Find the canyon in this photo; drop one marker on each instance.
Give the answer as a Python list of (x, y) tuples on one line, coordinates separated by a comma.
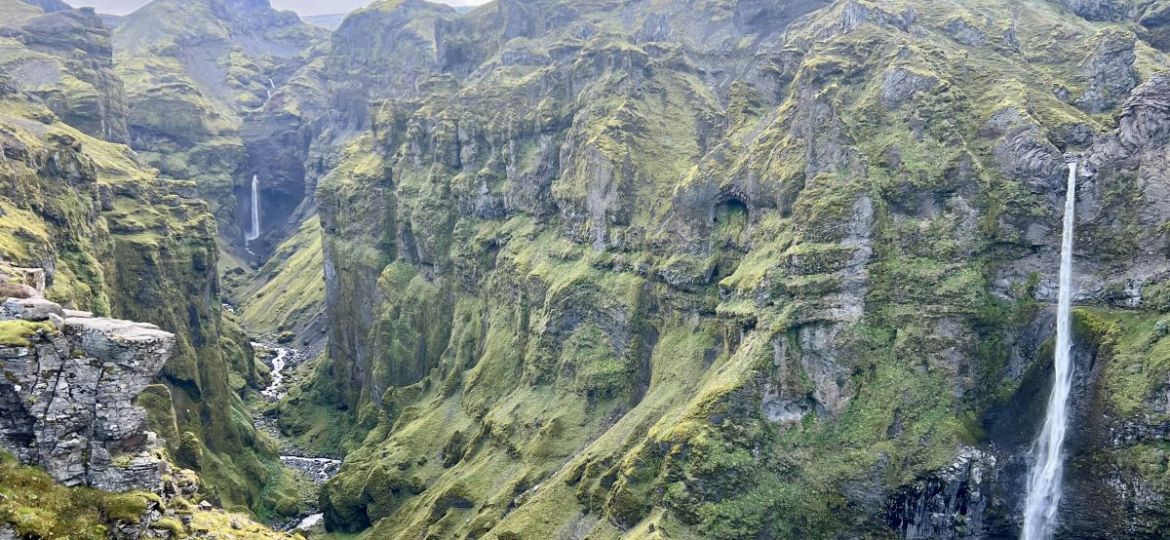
[(550, 269)]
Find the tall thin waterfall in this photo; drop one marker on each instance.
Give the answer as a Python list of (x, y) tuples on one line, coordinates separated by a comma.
[(255, 232), (1044, 481)]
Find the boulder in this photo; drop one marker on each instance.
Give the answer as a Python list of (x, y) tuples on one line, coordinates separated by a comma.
[(17, 290), (66, 400), (30, 309)]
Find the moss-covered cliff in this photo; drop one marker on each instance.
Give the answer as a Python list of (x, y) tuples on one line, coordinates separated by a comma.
[(118, 240), (195, 73), (621, 269), (743, 269)]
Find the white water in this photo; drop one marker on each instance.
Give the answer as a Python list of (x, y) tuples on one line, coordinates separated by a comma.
[(317, 469), (310, 522), (255, 232), (1044, 481), (276, 390)]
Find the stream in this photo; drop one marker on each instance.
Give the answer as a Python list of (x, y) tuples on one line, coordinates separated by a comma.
[(317, 468)]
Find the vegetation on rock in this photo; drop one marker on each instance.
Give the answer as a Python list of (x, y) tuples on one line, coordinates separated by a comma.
[(595, 269)]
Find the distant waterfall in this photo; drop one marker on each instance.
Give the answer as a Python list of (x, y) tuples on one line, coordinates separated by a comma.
[(255, 232), (1044, 481)]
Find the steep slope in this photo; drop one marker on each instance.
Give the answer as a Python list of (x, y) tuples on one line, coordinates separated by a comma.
[(70, 394), (287, 295), (118, 240), (58, 367), (193, 72), (64, 57), (35, 506), (743, 269)]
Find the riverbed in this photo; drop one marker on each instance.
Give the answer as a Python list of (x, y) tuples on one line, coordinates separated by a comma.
[(319, 469)]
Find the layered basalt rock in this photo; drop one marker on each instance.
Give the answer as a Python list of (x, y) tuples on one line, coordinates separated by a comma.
[(777, 273), (67, 391), (69, 64), (195, 72)]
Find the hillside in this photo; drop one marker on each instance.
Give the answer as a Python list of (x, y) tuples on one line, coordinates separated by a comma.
[(743, 269), (117, 239), (194, 71), (596, 269)]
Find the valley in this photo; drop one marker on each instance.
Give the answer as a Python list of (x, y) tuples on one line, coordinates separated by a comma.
[(589, 269)]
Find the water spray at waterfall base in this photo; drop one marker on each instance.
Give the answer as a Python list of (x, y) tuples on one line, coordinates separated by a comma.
[(1044, 480), (254, 233)]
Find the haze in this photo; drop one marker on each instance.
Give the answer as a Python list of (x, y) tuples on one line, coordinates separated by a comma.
[(303, 7)]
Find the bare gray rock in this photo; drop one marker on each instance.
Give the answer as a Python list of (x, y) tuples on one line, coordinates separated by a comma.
[(1102, 10), (966, 33), (942, 505), (1109, 72), (900, 84), (1155, 26), (30, 309), (66, 400)]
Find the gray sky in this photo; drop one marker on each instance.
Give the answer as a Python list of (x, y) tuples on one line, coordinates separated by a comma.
[(304, 7)]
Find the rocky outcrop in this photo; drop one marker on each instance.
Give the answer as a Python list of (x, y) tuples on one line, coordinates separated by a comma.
[(950, 504), (1155, 26), (1108, 72), (70, 67), (900, 84), (771, 273), (1104, 10), (67, 392), (70, 385)]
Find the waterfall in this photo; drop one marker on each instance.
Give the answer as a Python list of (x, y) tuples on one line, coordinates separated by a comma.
[(255, 232), (1044, 480)]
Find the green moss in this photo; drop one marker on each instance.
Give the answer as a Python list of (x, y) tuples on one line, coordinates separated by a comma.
[(34, 506), (19, 229), (172, 526), (1156, 296), (19, 333), (313, 415), (1139, 354), (160, 413), (291, 291)]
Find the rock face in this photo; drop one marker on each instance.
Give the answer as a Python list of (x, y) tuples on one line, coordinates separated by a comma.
[(69, 65), (948, 504), (1109, 73), (742, 269), (1105, 10), (66, 395), (194, 71), (115, 239)]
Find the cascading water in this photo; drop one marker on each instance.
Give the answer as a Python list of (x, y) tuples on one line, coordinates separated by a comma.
[(1045, 478), (255, 232)]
